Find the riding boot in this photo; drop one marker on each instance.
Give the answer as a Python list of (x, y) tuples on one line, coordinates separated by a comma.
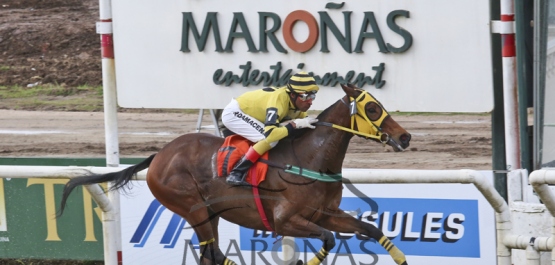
[(239, 172)]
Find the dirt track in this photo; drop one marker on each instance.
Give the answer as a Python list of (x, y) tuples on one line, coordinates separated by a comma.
[(55, 42), (438, 141)]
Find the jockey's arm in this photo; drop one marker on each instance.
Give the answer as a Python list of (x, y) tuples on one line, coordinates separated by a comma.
[(301, 115), (273, 131)]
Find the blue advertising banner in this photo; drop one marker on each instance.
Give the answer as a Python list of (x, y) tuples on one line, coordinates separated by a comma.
[(422, 227), (431, 223)]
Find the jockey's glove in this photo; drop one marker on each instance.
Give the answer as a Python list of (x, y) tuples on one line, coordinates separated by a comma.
[(305, 123)]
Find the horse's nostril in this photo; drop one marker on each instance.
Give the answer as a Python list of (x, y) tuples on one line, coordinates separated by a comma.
[(405, 138)]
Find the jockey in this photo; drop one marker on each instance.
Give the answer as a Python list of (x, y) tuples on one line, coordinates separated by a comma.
[(256, 115)]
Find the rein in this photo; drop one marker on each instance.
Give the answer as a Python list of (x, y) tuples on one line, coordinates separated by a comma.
[(353, 107), (366, 135), (356, 106)]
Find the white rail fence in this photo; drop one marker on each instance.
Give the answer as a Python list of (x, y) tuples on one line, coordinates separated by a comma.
[(506, 240)]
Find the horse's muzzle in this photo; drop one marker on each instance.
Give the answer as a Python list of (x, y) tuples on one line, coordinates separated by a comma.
[(404, 140)]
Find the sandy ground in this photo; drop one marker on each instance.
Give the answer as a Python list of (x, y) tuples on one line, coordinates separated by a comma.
[(438, 141), (55, 42)]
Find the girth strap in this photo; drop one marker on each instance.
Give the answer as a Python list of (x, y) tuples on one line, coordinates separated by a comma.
[(259, 207), (289, 169)]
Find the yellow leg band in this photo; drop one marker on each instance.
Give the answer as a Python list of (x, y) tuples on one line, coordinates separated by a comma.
[(394, 252), (320, 256), (229, 262), (206, 242)]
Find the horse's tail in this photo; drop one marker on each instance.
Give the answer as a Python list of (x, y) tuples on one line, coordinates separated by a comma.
[(120, 180)]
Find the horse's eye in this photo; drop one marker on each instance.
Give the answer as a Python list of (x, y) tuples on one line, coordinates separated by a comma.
[(372, 110)]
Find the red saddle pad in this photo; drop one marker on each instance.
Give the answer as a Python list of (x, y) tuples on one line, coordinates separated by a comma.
[(233, 148)]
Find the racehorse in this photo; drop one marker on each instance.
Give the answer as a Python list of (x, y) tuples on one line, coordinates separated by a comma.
[(182, 177)]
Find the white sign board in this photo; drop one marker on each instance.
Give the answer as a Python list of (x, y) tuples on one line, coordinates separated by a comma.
[(453, 225), (417, 56)]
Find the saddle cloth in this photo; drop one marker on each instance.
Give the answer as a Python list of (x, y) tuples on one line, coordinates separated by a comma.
[(233, 148)]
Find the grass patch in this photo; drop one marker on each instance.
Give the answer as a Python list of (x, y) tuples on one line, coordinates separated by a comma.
[(62, 98), (49, 262), (7, 92), (51, 97)]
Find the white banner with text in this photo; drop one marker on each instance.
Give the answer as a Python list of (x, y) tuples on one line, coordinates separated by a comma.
[(414, 56)]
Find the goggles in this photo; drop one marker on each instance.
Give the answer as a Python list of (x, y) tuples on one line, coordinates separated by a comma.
[(307, 96)]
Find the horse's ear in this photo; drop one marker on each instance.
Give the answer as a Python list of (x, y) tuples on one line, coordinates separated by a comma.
[(349, 90)]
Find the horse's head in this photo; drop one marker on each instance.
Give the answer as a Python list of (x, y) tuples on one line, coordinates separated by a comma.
[(371, 120)]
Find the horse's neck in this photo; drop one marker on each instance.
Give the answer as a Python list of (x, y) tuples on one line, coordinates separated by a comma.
[(324, 148)]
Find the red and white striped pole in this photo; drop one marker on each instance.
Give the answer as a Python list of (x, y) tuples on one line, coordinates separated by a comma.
[(111, 218), (510, 93), (106, 39), (506, 27)]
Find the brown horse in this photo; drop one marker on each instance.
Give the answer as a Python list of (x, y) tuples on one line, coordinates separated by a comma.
[(182, 176)]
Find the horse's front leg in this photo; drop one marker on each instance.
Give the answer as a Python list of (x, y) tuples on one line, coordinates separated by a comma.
[(339, 221), (298, 226)]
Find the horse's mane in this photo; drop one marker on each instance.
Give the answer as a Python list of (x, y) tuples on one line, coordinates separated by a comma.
[(321, 117)]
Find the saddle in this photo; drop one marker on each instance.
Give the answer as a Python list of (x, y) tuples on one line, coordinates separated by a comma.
[(233, 148)]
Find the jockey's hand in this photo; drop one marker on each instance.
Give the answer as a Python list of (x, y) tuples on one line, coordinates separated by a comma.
[(281, 124), (305, 123)]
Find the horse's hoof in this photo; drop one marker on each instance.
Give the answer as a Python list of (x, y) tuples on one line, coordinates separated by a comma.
[(299, 262)]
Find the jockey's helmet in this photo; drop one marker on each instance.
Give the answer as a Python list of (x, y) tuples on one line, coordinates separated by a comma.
[(301, 83)]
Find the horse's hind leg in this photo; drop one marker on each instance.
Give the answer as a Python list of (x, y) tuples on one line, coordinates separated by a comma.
[(297, 226), (203, 221), (205, 224), (344, 223), (215, 259)]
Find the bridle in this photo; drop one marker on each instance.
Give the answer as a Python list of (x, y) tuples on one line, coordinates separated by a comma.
[(361, 125)]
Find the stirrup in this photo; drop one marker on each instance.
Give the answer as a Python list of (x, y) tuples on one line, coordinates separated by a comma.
[(235, 181)]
